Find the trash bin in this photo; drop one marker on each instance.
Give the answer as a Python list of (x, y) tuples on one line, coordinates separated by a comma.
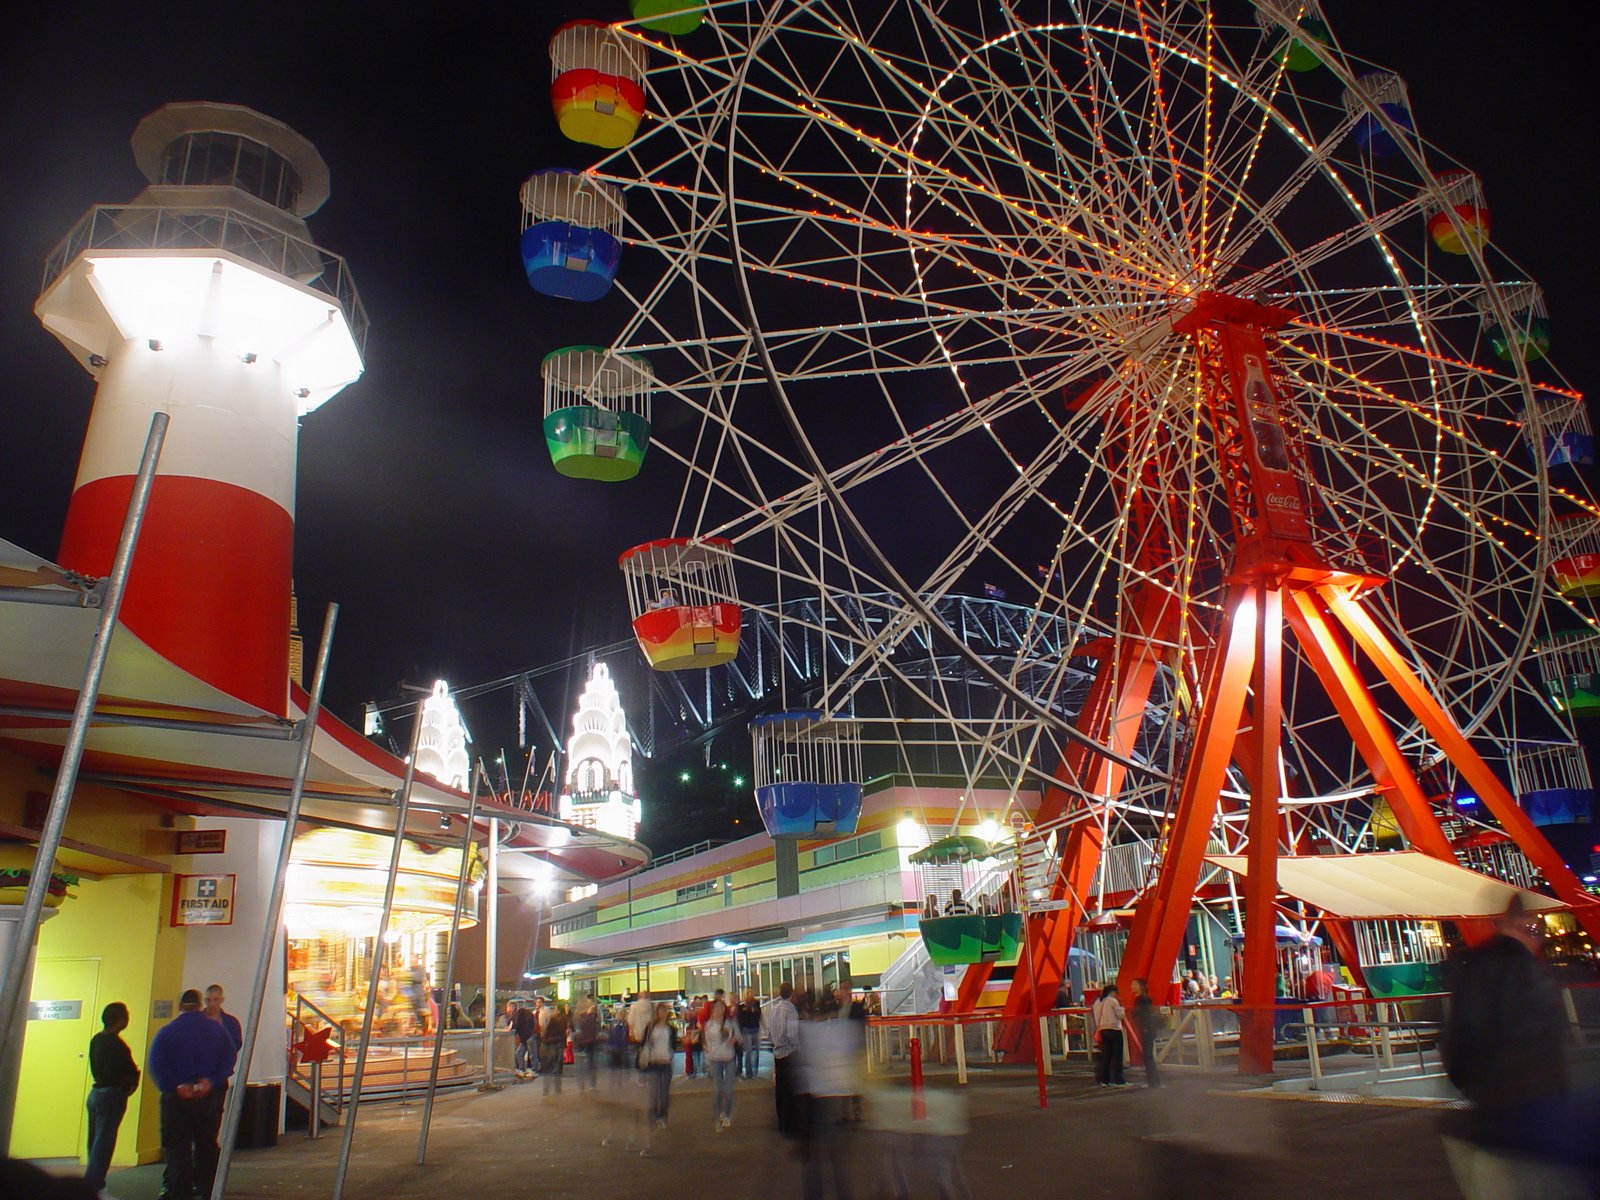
[(258, 1122)]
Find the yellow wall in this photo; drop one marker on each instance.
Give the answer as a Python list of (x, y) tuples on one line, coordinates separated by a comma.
[(121, 923)]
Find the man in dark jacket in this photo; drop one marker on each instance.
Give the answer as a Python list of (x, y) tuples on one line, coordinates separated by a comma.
[(1505, 1048), (190, 1061), (115, 1079)]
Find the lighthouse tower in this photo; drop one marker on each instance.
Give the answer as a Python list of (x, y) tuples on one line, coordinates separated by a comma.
[(599, 792), (205, 298)]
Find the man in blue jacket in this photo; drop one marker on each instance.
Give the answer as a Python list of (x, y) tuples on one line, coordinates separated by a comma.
[(190, 1060)]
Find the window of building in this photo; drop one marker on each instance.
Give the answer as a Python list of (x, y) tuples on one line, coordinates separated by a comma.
[(867, 843)]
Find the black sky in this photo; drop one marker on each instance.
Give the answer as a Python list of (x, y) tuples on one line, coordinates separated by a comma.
[(427, 505)]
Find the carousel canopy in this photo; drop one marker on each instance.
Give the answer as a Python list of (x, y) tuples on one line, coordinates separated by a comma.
[(957, 848), (1403, 884)]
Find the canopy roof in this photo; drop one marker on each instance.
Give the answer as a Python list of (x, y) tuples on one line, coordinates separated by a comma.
[(957, 848), (191, 766), (1406, 883)]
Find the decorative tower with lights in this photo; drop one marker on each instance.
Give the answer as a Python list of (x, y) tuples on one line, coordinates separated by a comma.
[(442, 748), (598, 786), (205, 298)]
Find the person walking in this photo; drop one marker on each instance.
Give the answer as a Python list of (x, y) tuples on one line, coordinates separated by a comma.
[(115, 1079), (1107, 1014), (190, 1061), (1146, 1025), (749, 1017), (655, 1059), (1505, 1047), (783, 1031), (553, 1047), (586, 1041), (721, 1040)]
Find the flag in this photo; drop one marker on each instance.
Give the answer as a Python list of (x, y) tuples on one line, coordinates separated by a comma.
[(1043, 572), (994, 592)]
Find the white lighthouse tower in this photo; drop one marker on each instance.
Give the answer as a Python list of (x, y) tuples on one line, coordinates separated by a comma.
[(205, 298)]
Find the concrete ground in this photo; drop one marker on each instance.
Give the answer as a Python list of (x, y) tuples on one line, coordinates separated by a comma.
[(1200, 1136)]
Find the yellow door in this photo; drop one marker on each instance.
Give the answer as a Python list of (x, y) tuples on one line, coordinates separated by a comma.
[(63, 1015)]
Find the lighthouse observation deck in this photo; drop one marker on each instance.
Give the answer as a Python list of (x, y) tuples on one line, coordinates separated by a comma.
[(141, 227)]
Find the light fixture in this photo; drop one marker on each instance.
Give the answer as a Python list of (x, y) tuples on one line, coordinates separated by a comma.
[(154, 343), (302, 393), (98, 360), (248, 358), (444, 820)]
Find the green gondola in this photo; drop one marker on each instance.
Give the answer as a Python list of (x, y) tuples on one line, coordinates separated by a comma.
[(967, 937)]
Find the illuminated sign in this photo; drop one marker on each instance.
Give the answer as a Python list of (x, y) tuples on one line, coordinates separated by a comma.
[(202, 841), (202, 899)]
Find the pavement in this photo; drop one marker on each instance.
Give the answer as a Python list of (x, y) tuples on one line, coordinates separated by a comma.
[(1199, 1136)]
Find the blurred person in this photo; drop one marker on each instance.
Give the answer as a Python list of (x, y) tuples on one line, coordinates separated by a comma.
[(749, 1017), (190, 1060), (1146, 1026), (586, 1041), (1107, 1014), (115, 1078), (553, 1047), (640, 1013), (655, 1059), (830, 1055), (520, 1021), (721, 1039), (783, 1031), (1504, 1046)]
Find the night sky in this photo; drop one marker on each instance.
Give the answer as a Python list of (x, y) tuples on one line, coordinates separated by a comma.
[(427, 505)]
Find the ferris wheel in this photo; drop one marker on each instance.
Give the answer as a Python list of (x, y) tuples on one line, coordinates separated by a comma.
[(1104, 308)]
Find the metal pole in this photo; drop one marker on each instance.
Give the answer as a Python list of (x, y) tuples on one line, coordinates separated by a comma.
[(449, 968), (12, 1001), (314, 1121), (402, 807), (234, 1109), (961, 1053), (1309, 1016), (491, 949)]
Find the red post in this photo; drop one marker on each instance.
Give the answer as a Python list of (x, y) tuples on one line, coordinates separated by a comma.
[(919, 1106)]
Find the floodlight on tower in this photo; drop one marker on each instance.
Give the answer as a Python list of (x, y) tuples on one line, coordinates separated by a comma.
[(205, 298)]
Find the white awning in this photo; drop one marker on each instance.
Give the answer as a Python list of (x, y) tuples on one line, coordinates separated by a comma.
[(1406, 883)]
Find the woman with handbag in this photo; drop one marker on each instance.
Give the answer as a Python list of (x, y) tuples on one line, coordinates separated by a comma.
[(655, 1060), (1108, 1014)]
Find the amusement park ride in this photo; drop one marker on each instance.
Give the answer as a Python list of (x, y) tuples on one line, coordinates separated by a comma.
[(1190, 302)]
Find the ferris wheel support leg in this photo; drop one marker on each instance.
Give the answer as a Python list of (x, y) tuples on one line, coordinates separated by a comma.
[(1163, 914), (1259, 983), (1491, 792), (1373, 739), (1113, 713)]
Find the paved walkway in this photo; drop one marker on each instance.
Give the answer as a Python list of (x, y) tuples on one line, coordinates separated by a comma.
[(1197, 1137)]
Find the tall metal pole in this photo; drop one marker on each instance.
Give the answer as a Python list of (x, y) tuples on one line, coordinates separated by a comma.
[(274, 918), (402, 807), (491, 949), (449, 967), (12, 1001)]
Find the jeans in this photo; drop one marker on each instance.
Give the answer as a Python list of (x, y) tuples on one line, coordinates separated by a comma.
[(552, 1058), (791, 1122), (189, 1140), (585, 1061), (752, 1052), (523, 1057), (722, 1074), (106, 1106), (659, 1076)]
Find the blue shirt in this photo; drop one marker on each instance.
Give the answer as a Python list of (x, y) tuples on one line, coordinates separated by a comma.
[(191, 1046)]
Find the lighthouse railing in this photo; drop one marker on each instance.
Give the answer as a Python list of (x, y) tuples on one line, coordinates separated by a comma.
[(193, 227)]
